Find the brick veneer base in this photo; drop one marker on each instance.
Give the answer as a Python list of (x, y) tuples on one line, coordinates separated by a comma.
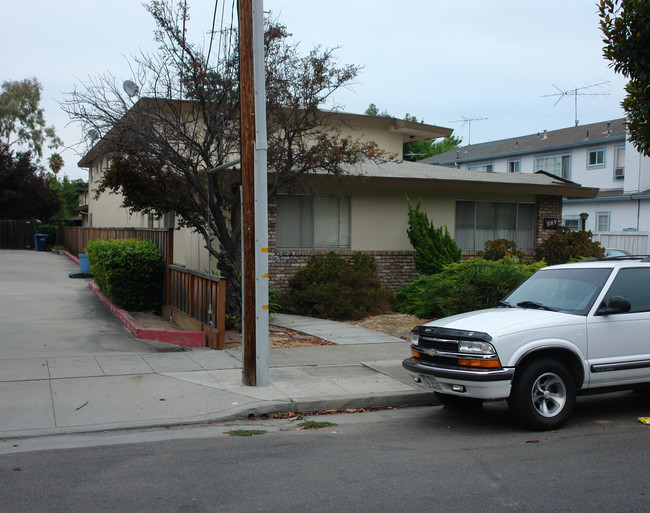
[(395, 268)]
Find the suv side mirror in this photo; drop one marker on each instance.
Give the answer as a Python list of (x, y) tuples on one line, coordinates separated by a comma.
[(616, 305)]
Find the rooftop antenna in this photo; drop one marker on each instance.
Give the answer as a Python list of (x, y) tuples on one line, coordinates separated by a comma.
[(579, 91), (130, 88), (468, 122)]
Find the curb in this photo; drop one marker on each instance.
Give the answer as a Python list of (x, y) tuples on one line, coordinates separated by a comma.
[(270, 408), (176, 337)]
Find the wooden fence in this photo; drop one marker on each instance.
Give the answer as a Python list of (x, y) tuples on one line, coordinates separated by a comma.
[(196, 301), (16, 234)]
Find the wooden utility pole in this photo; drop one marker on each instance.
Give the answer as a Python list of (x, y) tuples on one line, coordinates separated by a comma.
[(254, 195)]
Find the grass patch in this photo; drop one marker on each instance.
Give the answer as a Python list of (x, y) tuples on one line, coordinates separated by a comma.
[(312, 424), (246, 432)]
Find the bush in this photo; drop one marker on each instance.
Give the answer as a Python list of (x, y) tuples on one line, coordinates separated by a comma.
[(51, 231), (470, 285), (129, 272), (566, 245), (434, 247), (331, 287), (501, 248)]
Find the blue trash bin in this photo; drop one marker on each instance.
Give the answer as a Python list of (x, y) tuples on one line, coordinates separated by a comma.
[(84, 264), (40, 241)]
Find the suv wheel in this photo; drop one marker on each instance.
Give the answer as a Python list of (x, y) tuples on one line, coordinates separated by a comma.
[(456, 401), (543, 394)]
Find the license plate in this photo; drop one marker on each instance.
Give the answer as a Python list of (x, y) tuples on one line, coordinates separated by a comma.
[(431, 383)]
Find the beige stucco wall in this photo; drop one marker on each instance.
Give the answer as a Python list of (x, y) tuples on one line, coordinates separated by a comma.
[(386, 140)]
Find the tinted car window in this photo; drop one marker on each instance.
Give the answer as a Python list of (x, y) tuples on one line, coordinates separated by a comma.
[(634, 284)]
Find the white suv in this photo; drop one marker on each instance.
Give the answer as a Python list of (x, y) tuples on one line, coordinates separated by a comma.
[(568, 329)]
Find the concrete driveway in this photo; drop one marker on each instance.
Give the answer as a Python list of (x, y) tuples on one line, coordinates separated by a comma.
[(44, 313)]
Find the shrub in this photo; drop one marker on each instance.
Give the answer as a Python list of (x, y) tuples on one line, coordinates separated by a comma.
[(51, 231), (331, 287), (434, 247), (129, 272), (470, 285), (565, 245), (501, 248)]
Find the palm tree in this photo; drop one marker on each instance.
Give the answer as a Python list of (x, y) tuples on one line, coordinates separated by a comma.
[(56, 163)]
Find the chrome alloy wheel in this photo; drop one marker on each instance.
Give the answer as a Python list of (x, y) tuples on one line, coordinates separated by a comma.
[(548, 394)]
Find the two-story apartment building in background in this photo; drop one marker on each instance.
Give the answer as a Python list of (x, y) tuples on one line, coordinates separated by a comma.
[(595, 155), (367, 210)]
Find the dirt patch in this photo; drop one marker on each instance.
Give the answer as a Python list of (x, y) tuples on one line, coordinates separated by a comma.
[(395, 324), (280, 338), (149, 320)]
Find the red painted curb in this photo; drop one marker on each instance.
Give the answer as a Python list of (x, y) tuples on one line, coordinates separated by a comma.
[(70, 256), (176, 337)]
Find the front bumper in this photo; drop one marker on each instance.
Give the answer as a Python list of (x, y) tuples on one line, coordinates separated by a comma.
[(483, 384)]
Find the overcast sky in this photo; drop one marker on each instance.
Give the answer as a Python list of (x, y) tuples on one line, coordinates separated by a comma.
[(442, 61)]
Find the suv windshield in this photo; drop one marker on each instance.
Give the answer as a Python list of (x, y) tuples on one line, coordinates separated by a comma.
[(566, 290)]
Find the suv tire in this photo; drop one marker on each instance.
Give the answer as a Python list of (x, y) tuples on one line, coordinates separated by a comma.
[(543, 394)]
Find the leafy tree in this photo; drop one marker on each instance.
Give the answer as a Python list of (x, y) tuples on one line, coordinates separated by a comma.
[(188, 121), (626, 33), (418, 150), (22, 121), (434, 247), (68, 193), (373, 110), (24, 194)]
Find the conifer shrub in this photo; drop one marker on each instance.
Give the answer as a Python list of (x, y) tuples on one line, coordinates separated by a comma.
[(462, 287), (332, 287), (129, 272), (566, 245), (434, 247)]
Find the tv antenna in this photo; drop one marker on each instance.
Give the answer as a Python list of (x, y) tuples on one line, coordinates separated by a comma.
[(468, 122), (587, 90)]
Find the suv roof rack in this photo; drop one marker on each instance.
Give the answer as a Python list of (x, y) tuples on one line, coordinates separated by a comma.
[(642, 258)]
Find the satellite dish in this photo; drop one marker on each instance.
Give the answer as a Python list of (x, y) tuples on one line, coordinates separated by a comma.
[(93, 135), (130, 88)]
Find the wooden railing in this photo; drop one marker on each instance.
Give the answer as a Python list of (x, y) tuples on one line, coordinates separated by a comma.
[(195, 300), (200, 297)]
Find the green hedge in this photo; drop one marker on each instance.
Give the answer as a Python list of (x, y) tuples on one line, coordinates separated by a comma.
[(331, 287), (129, 272), (469, 285)]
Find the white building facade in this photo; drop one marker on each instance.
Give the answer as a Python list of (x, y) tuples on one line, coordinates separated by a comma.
[(596, 155)]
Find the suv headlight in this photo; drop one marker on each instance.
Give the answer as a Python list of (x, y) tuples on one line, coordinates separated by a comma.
[(415, 338), (474, 347)]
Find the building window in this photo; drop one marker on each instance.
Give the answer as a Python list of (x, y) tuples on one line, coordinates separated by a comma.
[(313, 222), (482, 168), (619, 166), (514, 166), (596, 158), (480, 221), (558, 165), (572, 224), (602, 221)]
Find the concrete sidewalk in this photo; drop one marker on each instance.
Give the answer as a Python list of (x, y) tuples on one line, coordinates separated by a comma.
[(68, 366)]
